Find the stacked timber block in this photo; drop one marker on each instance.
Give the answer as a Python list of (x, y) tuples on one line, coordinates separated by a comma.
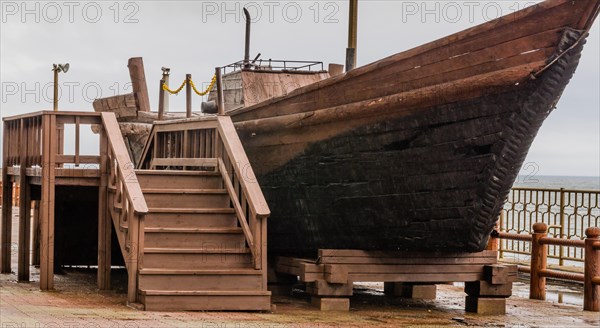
[(329, 278), (410, 290), (489, 296)]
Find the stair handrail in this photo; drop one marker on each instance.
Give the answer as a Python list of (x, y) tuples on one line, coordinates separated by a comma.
[(242, 167), (126, 168), (129, 200)]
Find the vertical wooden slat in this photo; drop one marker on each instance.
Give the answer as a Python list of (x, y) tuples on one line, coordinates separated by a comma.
[(6, 202), (104, 221), (132, 268), (24, 209), (77, 140), (35, 252)]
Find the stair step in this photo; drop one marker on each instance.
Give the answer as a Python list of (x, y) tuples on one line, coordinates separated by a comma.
[(199, 260), (205, 292), (204, 219), (223, 210), (214, 199), (194, 230), (199, 272), (178, 179), (224, 238), (193, 280), (184, 191), (196, 250), (176, 173), (176, 300)]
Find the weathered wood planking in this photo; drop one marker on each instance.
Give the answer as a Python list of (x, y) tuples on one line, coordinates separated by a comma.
[(421, 169), (340, 266)]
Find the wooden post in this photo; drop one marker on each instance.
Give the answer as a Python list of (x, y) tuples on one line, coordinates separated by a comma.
[(35, 252), (537, 283), (591, 295), (104, 221), (161, 101), (220, 93), (6, 205), (24, 209), (188, 95), (47, 209), (138, 83)]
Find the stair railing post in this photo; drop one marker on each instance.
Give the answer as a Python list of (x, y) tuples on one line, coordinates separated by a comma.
[(591, 296), (539, 251)]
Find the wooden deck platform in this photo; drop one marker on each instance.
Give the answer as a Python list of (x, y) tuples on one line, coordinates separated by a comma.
[(193, 237)]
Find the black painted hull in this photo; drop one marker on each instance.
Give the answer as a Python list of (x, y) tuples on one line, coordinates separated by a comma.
[(432, 180)]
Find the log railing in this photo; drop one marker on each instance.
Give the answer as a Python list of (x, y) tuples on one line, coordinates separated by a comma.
[(212, 144), (125, 200), (538, 270)]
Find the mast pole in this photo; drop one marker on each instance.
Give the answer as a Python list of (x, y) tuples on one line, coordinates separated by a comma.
[(352, 36)]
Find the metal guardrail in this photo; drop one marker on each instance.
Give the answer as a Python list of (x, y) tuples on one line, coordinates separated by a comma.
[(275, 65), (568, 213)]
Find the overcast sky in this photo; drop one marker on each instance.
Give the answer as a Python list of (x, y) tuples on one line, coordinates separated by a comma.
[(98, 37)]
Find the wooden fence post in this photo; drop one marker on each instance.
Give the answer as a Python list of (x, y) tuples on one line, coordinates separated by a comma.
[(537, 283), (591, 296)]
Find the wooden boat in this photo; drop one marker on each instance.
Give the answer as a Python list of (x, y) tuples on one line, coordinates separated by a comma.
[(419, 150)]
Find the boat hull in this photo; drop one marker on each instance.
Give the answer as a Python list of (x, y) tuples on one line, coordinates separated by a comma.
[(432, 179)]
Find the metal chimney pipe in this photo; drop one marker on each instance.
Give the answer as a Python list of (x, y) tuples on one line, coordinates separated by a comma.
[(247, 48)]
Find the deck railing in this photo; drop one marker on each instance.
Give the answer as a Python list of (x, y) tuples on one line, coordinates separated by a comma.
[(33, 148), (212, 144), (568, 213)]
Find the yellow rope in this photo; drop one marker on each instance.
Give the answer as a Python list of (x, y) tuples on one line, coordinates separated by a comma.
[(210, 86), (173, 92), (203, 93)]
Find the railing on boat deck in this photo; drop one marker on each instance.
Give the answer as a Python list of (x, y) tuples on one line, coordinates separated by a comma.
[(212, 144), (568, 213), (125, 200)]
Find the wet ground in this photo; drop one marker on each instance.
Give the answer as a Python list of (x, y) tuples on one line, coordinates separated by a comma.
[(77, 303)]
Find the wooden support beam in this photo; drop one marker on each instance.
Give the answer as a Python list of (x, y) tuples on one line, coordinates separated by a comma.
[(49, 151), (24, 209), (104, 221), (138, 83), (6, 226)]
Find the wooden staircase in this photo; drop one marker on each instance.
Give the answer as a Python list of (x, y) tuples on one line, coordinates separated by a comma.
[(192, 232)]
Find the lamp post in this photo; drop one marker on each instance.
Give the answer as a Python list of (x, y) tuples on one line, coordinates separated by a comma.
[(56, 68)]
